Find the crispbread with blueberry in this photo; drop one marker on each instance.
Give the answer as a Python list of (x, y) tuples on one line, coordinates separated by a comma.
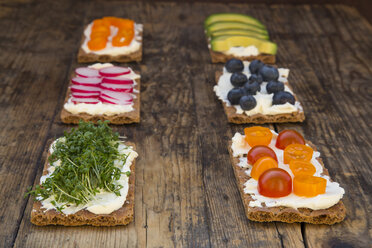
[(253, 92)]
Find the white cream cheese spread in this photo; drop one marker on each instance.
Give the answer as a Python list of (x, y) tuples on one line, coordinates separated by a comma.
[(103, 108), (331, 197), (264, 101), (103, 202), (110, 49), (243, 51)]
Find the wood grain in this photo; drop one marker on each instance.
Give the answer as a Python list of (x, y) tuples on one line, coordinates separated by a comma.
[(186, 194)]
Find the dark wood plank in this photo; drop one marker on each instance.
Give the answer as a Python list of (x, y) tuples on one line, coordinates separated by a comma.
[(32, 79), (333, 81), (186, 194)]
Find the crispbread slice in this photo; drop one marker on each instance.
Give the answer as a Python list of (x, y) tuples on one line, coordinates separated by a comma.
[(218, 57), (328, 216), (236, 118), (123, 118), (84, 57), (122, 216)]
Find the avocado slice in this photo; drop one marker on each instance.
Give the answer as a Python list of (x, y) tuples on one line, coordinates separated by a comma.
[(223, 43), (223, 32), (234, 25), (219, 17)]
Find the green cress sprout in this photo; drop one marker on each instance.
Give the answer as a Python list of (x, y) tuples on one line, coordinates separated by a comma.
[(87, 166)]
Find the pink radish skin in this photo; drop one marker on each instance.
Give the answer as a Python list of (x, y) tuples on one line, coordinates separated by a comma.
[(119, 96), (117, 80), (94, 81), (114, 71), (87, 72), (76, 100), (85, 89), (117, 87), (122, 101), (85, 95)]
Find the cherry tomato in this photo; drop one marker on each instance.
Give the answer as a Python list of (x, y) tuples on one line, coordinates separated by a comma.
[(258, 152), (275, 182), (97, 43), (114, 21), (262, 165), (297, 152), (299, 167), (258, 135), (309, 186), (287, 137), (126, 24)]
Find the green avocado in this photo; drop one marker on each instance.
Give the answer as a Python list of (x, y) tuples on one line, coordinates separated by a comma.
[(223, 32), (223, 43), (234, 25), (223, 17)]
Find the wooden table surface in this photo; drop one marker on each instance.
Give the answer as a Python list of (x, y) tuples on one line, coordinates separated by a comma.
[(186, 194)]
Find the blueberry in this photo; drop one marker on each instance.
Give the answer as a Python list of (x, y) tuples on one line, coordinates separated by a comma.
[(255, 66), (247, 102), (269, 73), (283, 97), (274, 86), (238, 79), (234, 65), (234, 95), (255, 78), (251, 89)]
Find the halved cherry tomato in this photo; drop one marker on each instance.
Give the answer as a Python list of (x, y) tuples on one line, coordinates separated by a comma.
[(262, 165), (287, 137), (258, 152), (103, 29), (101, 22), (258, 135), (297, 152), (96, 44), (309, 186), (99, 34), (115, 21), (126, 24), (275, 182), (299, 167)]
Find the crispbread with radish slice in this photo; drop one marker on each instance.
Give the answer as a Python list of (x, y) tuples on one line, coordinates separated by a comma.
[(117, 119)]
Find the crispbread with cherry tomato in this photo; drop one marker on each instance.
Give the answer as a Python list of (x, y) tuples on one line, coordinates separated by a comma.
[(269, 175), (101, 35)]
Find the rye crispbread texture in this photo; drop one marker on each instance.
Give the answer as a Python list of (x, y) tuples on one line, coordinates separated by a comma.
[(236, 118), (123, 118), (122, 216), (84, 57), (218, 57), (328, 216)]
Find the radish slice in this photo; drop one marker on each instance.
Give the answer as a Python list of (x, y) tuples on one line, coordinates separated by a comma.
[(122, 96), (87, 72), (111, 101), (114, 71), (117, 80), (85, 100), (119, 98), (93, 81), (117, 87), (85, 95), (85, 89)]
